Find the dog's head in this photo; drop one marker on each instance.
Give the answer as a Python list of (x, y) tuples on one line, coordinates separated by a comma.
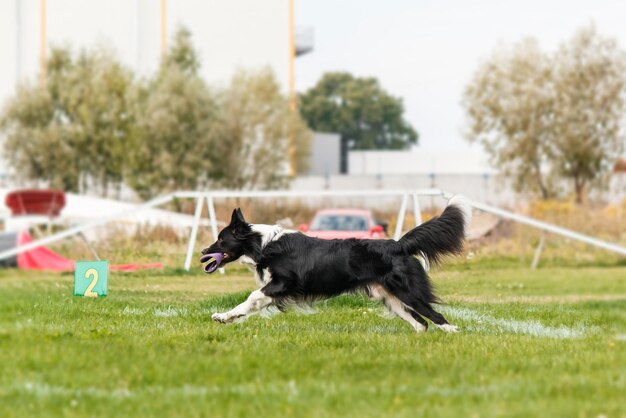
[(234, 240)]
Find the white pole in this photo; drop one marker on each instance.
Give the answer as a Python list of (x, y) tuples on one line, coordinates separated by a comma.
[(547, 227), (401, 214), (416, 210), (194, 231), (306, 193), (538, 251)]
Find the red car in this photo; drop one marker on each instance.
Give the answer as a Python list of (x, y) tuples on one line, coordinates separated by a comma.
[(344, 223)]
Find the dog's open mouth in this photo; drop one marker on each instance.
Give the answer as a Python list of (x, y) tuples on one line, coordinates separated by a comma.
[(214, 261)]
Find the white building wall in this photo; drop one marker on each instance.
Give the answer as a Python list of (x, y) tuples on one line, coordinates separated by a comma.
[(490, 189), (237, 34), (417, 161), (325, 154), (229, 34), (466, 173), (8, 48)]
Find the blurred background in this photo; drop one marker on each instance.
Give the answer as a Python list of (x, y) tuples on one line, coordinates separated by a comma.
[(130, 129), (517, 105)]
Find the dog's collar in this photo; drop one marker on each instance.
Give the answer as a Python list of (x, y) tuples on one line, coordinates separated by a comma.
[(268, 233)]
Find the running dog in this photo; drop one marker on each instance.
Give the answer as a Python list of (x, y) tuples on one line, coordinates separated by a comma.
[(291, 267)]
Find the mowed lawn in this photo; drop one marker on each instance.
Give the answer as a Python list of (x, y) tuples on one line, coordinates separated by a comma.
[(549, 342)]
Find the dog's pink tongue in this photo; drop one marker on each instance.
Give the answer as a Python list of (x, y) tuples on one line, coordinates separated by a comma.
[(214, 260)]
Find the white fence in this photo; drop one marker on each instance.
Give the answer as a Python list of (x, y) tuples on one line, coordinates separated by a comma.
[(405, 197)]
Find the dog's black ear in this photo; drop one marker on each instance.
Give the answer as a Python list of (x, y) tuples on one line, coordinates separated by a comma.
[(237, 217), (238, 224), (240, 216)]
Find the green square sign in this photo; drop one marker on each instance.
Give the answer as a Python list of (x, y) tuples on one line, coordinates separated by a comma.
[(91, 278)]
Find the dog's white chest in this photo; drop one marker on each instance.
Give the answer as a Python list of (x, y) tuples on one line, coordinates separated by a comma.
[(247, 261), (263, 278)]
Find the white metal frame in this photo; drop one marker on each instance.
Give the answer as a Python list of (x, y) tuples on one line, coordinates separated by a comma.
[(212, 195), (544, 226)]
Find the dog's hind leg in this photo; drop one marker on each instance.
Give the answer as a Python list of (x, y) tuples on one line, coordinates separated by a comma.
[(419, 307), (255, 302), (412, 286), (438, 319), (396, 306)]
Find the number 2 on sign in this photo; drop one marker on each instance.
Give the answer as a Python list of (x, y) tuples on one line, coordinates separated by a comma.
[(89, 292)]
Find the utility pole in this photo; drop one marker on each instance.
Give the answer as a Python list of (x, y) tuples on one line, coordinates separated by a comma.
[(292, 86), (18, 41), (42, 41), (163, 28)]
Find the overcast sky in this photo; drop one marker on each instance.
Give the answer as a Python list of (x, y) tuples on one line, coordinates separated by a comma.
[(426, 51)]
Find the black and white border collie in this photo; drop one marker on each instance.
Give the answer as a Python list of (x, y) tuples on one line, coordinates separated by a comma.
[(291, 267)]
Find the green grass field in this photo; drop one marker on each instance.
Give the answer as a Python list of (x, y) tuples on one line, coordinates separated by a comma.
[(550, 342)]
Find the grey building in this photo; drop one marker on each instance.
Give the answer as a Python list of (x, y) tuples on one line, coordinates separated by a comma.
[(325, 155)]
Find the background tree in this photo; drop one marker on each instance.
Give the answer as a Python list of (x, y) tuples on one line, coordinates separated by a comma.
[(99, 104), (545, 118), (366, 116), (93, 126), (71, 131), (509, 103), (36, 145), (253, 150), (177, 124), (590, 78)]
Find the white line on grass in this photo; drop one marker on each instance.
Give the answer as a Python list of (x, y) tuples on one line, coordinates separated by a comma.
[(170, 312), (45, 390), (128, 311), (534, 328), (285, 389)]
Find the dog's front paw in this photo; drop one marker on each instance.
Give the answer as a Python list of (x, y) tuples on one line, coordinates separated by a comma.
[(220, 317), (448, 328)]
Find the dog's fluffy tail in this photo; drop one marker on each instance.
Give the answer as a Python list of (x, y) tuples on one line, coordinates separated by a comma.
[(441, 235)]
